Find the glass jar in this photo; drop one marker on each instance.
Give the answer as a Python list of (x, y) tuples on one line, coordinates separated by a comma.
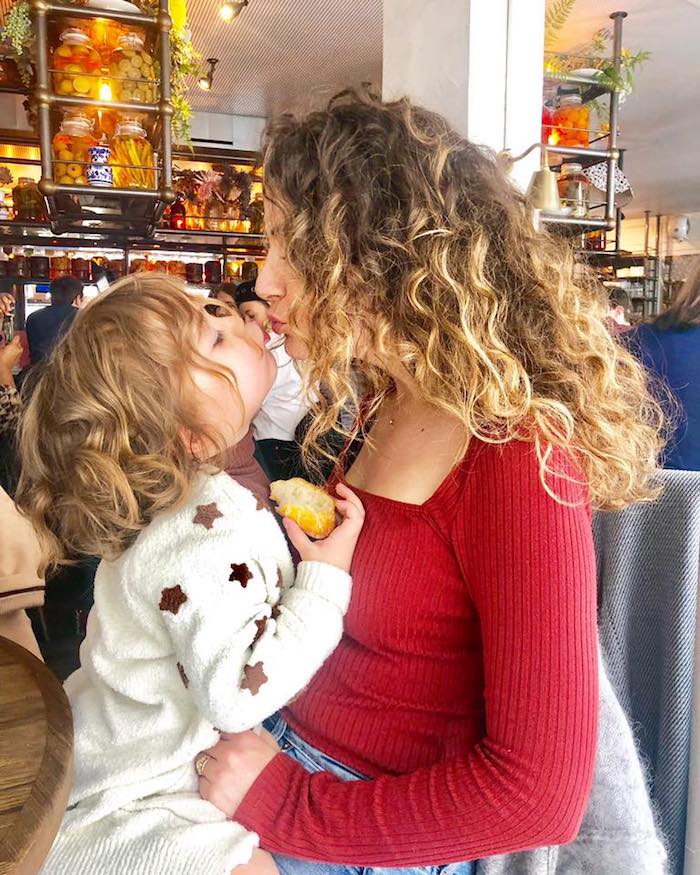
[(132, 156), (177, 269), (28, 203), (573, 190), (60, 266), (80, 269), (177, 219), (19, 266), (132, 71), (571, 119), (256, 213), (215, 216), (595, 241), (39, 267), (249, 271), (69, 149), (212, 272), (76, 65), (194, 273)]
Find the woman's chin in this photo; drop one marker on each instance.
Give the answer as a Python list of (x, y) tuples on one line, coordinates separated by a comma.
[(295, 348)]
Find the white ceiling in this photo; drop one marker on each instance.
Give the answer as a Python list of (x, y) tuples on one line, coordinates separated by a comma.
[(281, 55)]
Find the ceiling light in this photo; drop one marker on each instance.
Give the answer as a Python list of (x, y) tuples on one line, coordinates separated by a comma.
[(231, 9), (206, 80)]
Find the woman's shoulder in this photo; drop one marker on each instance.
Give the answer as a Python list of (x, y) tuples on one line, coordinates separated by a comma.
[(513, 474)]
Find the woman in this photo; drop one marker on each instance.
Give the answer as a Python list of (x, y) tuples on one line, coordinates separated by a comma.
[(497, 411), (669, 346)]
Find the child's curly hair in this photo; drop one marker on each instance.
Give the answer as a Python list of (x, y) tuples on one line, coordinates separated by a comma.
[(106, 440), (401, 229)]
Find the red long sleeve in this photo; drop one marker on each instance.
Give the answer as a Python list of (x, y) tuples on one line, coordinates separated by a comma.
[(473, 680)]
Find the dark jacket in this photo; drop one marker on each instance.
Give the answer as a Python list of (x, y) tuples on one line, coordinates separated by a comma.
[(45, 327)]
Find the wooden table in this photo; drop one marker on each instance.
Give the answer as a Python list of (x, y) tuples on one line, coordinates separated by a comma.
[(36, 759)]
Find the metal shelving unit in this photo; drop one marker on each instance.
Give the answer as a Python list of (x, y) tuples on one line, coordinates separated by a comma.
[(592, 155), (80, 207)]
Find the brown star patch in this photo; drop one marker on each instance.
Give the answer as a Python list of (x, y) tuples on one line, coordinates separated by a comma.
[(254, 678), (206, 515), (240, 574), (261, 628), (280, 579), (172, 598), (183, 675), (275, 612)]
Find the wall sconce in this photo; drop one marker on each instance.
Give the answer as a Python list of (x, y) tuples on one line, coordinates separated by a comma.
[(231, 9), (206, 80)]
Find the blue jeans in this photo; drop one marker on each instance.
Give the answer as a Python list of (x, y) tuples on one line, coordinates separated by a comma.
[(315, 761)]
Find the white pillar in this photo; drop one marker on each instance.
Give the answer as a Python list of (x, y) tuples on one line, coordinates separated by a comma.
[(477, 62)]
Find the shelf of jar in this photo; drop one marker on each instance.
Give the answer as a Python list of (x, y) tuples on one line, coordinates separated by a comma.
[(568, 225)]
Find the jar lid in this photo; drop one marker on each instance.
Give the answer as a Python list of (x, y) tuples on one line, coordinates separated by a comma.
[(129, 128), (76, 125), (75, 37), (131, 40), (571, 94), (571, 168)]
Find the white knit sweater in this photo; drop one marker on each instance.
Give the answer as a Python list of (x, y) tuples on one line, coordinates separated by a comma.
[(199, 626)]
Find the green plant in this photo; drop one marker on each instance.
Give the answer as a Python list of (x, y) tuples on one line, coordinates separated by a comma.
[(17, 33), (556, 15), (185, 62)]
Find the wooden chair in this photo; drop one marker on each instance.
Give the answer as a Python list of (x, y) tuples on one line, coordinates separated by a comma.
[(36, 759)]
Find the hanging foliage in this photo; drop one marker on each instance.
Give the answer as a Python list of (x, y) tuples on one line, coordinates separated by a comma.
[(556, 15)]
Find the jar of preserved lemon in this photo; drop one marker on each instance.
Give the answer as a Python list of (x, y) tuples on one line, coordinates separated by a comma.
[(69, 149), (571, 119), (76, 65), (133, 71)]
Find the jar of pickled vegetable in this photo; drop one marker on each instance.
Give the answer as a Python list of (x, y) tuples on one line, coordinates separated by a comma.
[(27, 202), (76, 65), (132, 156), (70, 149), (80, 269), (133, 71), (571, 119)]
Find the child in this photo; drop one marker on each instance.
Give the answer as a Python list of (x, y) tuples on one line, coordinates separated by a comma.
[(200, 624)]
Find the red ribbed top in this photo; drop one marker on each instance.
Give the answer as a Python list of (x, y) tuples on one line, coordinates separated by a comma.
[(465, 683)]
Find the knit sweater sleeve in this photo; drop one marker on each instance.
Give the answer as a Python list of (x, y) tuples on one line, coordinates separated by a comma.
[(247, 634), (528, 564)]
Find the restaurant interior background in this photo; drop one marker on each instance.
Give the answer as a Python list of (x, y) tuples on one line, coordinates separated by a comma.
[(94, 179)]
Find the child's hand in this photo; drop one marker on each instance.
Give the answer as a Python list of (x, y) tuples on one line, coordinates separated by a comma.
[(337, 549)]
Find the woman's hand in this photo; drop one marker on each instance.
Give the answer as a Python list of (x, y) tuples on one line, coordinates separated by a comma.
[(234, 765), (338, 548)]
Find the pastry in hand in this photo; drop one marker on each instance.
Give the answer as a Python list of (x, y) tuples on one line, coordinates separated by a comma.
[(311, 507)]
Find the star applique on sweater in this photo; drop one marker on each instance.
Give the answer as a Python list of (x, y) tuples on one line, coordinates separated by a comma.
[(240, 573), (172, 598), (254, 678), (207, 514)]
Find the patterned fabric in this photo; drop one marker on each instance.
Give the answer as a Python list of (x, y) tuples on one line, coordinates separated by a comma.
[(9, 409), (649, 567)]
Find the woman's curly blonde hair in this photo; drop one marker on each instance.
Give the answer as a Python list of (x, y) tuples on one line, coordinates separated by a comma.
[(409, 236), (107, 439)]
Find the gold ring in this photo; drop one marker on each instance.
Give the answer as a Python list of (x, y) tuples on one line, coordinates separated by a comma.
[(200, 764)]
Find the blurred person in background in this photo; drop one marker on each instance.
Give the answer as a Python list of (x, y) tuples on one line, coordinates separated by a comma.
[(45, 327), (620, 311), (285, 406), (669, 347)]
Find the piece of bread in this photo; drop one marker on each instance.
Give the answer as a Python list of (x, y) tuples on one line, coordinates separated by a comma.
[(311, 507)]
